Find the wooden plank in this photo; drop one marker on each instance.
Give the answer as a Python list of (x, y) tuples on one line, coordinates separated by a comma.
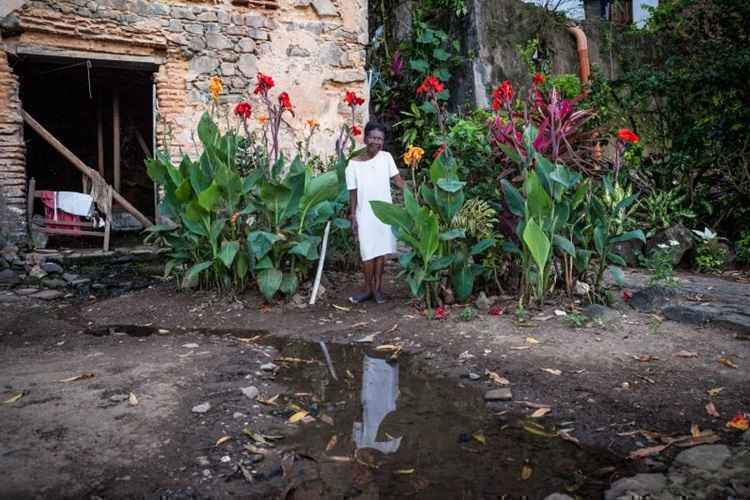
[(72, 232), (146, 62), (68, 154), (108, 225), (116, 140), (53, 222), (99, 138)]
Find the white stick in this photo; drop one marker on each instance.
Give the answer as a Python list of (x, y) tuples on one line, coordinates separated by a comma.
[(319, 274)]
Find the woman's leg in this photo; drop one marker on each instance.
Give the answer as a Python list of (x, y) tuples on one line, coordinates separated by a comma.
[(378, 272), (368, 270)]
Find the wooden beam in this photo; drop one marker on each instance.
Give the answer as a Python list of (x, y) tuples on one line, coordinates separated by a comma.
[(68, 154), (71, 232), (116, 141), (99, 138)]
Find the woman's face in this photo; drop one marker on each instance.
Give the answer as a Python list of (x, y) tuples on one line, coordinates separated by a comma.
[(374, 142)]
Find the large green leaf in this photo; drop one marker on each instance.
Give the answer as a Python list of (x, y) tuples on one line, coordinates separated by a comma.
[(450, 185), (208, 132), (195, 271), (269, 282), (305, 249), (630, 235), (565, 245), (462, 280), (481, 246), (537, 243), (289, 284), (510, 153), (391, 214), (600, 239), (538, 201), (513, 198), (261, 243), (441, 263), (453, 234), (228, 252), (209, 197)]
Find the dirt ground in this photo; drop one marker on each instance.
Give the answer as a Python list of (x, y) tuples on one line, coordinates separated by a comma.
[(84, 439)]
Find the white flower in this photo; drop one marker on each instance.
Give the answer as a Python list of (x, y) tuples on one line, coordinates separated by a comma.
[(674, 243), (663, 246)]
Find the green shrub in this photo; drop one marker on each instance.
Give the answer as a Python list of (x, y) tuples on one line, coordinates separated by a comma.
[(742, 248)]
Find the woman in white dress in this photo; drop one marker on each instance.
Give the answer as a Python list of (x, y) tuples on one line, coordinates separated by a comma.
[(368, 178)]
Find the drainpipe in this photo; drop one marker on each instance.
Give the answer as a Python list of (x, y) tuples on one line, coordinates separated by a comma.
[(583, 53)]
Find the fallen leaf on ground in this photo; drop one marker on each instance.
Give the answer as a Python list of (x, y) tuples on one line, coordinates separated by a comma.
[(332, 442), (222, 440), (647, 452), (360, 324), (327, 419), (270, 401), (739, 422), (367, 338), (705, 437), (479, 438), (541, 412), (340, 458), (387, 347), (529, 404), (520, 347), (715, 391), (82, 376), (526, 472), (531, 340), (711, 409), (249, 340), (405, 472), (686, 354), (255, 449), (645, 358), (342, 308), (296, 360), (727, 362), (537, 430), (13, 399), (553, 371), (497, 378), (393, 328), (132, 399), (542, 318), (560, 313), (565, 436), (297, 417), (695, 431)]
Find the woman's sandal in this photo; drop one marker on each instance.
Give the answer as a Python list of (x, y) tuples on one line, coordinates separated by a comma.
[(359, 298), (379, 298)]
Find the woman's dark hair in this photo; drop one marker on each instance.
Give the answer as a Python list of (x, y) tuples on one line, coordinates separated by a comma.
[(374, 125)]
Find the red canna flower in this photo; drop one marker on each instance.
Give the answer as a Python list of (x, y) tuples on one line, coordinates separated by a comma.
[(284, 101), (264, 84), (538, 79), (739, 422), (502, 95), (626, 295), (352, 99), (440, 150), (243, 110), (440, 313), (628, 135), (495, 311), (431, 85), (356, 131)]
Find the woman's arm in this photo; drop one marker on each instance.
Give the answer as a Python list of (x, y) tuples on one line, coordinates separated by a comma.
[(398, 181), (353, 210)]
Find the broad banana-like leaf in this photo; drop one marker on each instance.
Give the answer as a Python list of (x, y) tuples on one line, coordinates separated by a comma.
[(261, 242), (441, 263), (269, 282), (289, 284), (228, 252), (195, 271), (481, 246), (453, 234), (450, 185), (630, 235), (513, 198), (537, 243), (600, 238), (208, 132), (208, 198), (462, 280), (538, 201), (565, 245)]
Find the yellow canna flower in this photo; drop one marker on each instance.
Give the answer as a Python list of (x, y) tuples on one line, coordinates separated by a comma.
[(263, 120), (215, 87), (312, 123), (413, 156)]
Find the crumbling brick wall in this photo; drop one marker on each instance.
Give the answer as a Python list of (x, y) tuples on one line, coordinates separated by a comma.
[(12, 165)]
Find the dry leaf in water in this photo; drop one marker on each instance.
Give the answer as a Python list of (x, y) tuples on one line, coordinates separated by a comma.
[(552, 371), (405, 472), (645, 358), (297, 416), (222, 440), (711, 409), (13, 399), (686, 354), (541, 412), (567, 437), (526, 471), (335, 458), (715, 391), (82, 376), (647, 452), (496, 378), (695, 431), (132, 399), (727, 362), (332, 442), (531, 340), (270, 401), (479, 438)]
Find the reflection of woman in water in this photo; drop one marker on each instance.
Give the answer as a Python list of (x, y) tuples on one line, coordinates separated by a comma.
[(379, 395)]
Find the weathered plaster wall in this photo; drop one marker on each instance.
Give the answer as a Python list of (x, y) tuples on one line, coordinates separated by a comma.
[(314, 49), (496, 28)]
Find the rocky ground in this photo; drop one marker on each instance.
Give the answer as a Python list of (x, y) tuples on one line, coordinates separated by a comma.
[(592, 402)]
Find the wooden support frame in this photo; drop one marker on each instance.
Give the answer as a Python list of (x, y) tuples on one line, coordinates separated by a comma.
[(80, 165), (116, 141)]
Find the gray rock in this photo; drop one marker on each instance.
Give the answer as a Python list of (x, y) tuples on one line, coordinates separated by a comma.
[(325, 8), (47, 295), (174, 26), (70, 277), (8, 277), (349, 76), (195, 29), (709, 457), (679, 233), (330, 54), (223, 17), (208, 16), (183, 13), (37, 272), (598, 311), (256, 34), (80, 282), (54, 283), (474, 376), (482, 302), (246, 45), (629, 251), (248, 65), (227, 69), (237, 415), (25, 291), (297, 51), (558, 496), (640, 484), (196, 43), (201, 408), (255, 21), (217, 41), (119, 397), (251, 392), (733, 317), (9, 298), (268, 367), (502, 394), (652, 299), (203, 64)]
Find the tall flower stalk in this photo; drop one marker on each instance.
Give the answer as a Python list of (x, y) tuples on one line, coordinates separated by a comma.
[(348, 132)]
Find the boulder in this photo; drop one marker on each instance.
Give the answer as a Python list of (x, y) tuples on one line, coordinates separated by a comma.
[(679, 233), (9, 277), (502, 394), (629, 251), (707, 457), (652, 299), (640, 484), (52, 268)]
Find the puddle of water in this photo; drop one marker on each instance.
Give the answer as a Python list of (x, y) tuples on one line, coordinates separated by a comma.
[(422, 436), (147, 331)]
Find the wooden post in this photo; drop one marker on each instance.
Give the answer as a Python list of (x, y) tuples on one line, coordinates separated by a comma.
[(30, 204), (322, 260), (116, 140), (68, 154), (99, 138), (108, 224), (154, 107)]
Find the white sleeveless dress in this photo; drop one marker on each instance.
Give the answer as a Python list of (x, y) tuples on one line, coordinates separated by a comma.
[(372, 181)]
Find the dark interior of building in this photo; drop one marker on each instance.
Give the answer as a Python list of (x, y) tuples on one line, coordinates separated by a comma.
[(76, 100)]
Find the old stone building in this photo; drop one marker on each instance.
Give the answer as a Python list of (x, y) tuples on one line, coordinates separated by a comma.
[(109, 78)]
